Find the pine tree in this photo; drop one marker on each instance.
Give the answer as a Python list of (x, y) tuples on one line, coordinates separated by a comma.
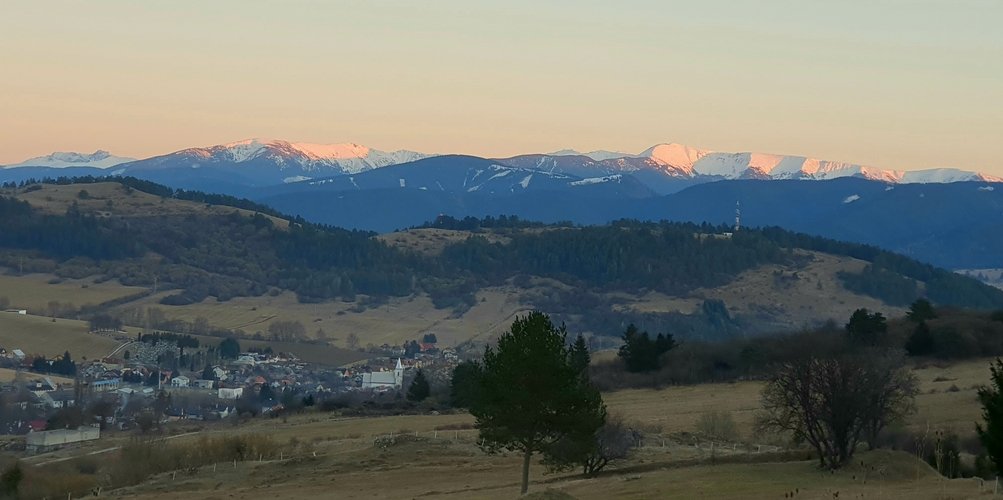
[(921, 310), (579, 355), (463, 387), (419, 389), (530, 396), (991, 398), (921, 342)]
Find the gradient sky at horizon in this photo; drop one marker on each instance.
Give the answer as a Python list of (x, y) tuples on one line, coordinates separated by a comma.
[(899, 84)]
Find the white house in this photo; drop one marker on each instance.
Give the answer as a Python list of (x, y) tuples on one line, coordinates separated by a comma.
[(220, 373), (202, 384), (180, 381), (228, 393), (384, 380)]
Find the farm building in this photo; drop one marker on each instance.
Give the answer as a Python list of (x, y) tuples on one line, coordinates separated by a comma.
[(40, 442)]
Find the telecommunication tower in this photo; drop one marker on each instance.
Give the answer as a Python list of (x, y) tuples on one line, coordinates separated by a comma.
[(738, 215)]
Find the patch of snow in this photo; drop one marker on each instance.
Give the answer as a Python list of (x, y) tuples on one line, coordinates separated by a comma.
[(596, 180), (525, 181), (403, 183), (851, 199), (986, 188), (503, 173), (298, 178)]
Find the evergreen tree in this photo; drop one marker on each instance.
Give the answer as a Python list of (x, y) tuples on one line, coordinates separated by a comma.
[(208, 373), (921, 310), (921, 342), (229, 349), (640, 353), (419, 389), (463, 389), (530, 397), (991, 398), (580, 358), (865, 328)]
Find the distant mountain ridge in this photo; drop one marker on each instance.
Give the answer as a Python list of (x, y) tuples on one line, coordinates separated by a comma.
[(668, 168), (98, 159)]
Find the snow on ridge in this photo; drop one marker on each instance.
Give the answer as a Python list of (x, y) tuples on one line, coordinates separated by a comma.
[(599, 155), (596, 180), (347, 157), (679, 160), (98, 159)]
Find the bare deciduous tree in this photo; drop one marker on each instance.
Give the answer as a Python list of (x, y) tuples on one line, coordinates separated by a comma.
[(834, 401), (613, 441)]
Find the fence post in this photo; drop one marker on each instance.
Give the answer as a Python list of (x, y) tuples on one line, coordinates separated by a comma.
[(435, 435)]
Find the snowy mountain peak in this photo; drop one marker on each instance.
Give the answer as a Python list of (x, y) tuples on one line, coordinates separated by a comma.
[(599, 155), (98, 159), (293, 160), (674, 155)]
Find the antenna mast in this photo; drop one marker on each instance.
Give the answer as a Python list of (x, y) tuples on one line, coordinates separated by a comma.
[(738, 215)]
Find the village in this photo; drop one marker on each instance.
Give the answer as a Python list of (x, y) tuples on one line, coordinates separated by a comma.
[(162, 377)]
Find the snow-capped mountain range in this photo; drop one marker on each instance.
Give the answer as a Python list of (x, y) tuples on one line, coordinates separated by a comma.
[(677, 160), (98, 159), (272, 159), (665, 168)]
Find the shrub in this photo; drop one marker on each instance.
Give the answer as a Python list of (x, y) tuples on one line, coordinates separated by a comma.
[(718, 425)]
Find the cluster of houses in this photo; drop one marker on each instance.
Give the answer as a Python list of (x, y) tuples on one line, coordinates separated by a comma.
[(133, 386)]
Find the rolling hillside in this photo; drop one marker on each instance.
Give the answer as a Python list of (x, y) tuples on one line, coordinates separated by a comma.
[(460, 279)]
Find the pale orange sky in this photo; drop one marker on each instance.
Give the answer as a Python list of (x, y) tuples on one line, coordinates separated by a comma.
[(902, 84)]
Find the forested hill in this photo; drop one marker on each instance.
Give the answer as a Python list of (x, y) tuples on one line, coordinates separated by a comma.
[(230, 253)]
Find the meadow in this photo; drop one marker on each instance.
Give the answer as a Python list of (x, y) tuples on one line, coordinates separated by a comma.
[(321, 455)]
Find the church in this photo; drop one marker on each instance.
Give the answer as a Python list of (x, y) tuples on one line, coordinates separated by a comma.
[(384, 380)]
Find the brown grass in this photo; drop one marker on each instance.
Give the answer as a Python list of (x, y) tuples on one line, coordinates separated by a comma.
[(40, 335), (57, 199), (34, 292)]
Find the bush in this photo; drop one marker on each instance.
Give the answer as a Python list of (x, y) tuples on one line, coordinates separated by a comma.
[(718, 425), (142, 458)]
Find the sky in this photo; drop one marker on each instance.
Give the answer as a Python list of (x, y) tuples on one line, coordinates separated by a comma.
[(899, 84)]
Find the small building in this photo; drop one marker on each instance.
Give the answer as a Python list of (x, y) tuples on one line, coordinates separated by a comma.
[(230, 393), (180, 381), (58, 399), (202, 384), (19, 354), (40, 442), (105, 385)]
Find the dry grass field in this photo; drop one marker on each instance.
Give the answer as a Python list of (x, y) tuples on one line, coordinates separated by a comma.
[(7, 375), (34, 291), (773, 294), (57, 199), (329, 456), (40, 335), (400, 320)]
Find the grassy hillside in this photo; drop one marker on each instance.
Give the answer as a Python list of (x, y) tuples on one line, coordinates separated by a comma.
[(34, 292), (326, 454), (244, 267), (41, 335)]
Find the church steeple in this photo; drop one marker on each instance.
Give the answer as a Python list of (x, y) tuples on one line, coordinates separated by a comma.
[(399, 374)]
